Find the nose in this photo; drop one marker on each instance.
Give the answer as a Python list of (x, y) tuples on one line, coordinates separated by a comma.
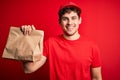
[(69, 21)]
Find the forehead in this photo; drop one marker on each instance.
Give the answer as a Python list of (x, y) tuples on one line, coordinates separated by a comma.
[(70, 14)]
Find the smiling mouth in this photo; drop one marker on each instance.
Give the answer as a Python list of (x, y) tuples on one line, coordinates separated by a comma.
[(69, 28)]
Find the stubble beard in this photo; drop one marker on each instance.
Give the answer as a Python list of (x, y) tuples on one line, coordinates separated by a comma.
[(70, 34)]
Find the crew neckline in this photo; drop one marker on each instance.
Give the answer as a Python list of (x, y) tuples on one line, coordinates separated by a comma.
[(71, 41)]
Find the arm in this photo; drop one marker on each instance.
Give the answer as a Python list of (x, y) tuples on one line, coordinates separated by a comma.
[(96, 73), (30, 67)]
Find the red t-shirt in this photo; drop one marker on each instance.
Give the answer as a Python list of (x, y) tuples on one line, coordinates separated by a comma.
[(71, 59)]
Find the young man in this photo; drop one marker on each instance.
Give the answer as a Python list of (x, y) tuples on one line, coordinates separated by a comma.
[(70, 56)]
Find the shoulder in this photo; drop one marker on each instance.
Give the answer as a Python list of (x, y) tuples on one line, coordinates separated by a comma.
[(88, 41), (53, 39), (92, 45)]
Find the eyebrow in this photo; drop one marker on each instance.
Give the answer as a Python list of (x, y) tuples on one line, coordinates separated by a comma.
[(71, 17)]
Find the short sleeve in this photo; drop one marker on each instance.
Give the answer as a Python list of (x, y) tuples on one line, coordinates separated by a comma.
[(45, 48), (96, 60)]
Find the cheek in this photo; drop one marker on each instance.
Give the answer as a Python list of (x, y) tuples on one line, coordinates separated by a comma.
[(77, 22), (63, 23)]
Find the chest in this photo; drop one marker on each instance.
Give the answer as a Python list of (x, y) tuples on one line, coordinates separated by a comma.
[(71, 54)]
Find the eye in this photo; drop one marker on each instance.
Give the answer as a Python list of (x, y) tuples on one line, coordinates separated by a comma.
[(74, 17), (64, 18)]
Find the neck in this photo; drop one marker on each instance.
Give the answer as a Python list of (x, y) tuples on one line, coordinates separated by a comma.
[(72, 37)]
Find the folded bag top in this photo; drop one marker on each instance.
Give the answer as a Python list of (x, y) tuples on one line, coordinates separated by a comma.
[(24, 47)]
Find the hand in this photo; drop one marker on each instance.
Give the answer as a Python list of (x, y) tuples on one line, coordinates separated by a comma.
[(27, 29)]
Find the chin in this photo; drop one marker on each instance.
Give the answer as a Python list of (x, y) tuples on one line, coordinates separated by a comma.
[(69, 34)]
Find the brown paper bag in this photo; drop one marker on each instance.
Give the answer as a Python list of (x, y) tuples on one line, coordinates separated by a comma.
[(24, 47)]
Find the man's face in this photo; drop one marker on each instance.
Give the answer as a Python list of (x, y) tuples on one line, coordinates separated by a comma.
[(70, 23)]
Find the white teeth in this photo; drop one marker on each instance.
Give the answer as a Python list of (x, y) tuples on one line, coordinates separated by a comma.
[(69, 28)]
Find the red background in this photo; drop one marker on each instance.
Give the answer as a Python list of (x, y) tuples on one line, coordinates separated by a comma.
[(100, 22)]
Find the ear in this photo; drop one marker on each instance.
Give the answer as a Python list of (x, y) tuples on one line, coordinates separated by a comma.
[(80, 20)]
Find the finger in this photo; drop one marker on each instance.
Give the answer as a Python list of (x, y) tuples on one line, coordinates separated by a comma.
[(29, 29), (33, 27), (22, 28), (26, 30)]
